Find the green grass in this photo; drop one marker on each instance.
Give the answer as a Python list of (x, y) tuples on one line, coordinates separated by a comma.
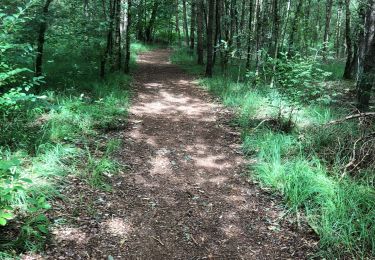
[(303, 161), (58, 135)]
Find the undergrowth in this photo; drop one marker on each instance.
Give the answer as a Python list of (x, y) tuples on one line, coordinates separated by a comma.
[(60, 134), (303, 158)]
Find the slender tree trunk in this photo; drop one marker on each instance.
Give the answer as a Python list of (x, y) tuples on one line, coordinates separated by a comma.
[(286, 22), (200, 32), (275, 37), (108, 54), (232, 31), (217, 37), (127, 38), (140, 21), (192, 24), (185, 22), (275, 27), (258, 34), (210, 25), (327, 28), (178, 31), (117, 39), (237, 30), (306, 36), (359, 43), (151, 23), (367, 75), (338, 29), (227, 22), (41, 39), (249, 36), (294, 29), (242, 19), (348, 37)]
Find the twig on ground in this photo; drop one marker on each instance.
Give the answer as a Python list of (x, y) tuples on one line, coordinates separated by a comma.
[(195, 241), (351, 117), (157, 239)]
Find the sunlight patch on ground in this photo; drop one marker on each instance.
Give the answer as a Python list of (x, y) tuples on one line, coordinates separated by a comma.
[(117, 227), (71, 234)]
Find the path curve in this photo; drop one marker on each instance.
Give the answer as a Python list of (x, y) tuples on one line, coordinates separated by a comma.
[(185, 195)]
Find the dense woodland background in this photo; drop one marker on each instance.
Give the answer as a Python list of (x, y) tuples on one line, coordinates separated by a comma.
[(299, 74)]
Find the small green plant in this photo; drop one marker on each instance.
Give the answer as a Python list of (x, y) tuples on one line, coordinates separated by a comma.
[(10, 183), (300, 78)]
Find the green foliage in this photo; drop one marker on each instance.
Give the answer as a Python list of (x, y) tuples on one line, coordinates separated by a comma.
[(300, 79), (306, 164), (12, 76)]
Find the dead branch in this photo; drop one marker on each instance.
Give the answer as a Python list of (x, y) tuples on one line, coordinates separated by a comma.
[(351, 117)]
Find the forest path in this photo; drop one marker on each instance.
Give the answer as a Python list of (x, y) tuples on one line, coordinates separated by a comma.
[(184, 195)]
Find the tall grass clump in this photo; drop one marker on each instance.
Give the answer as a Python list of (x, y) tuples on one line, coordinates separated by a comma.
[(303, 157)]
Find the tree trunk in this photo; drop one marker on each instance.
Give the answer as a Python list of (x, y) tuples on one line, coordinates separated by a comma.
[(249, 36), (327, 28), (117, 39), (357, 45), (200, 31), (275, 28), (210, 25), (348, 37), (366, 79), (140, 21), (338, 29), (306, 36), (178, 23), (108, 53), (217, 37), (127, 38), (192, 24), (151, 23), (41, 40), (286, 18), (185, 22), (294, 29), (275, 38), (258, 34)]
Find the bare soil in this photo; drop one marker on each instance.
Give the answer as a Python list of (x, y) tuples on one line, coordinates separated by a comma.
[(186, 194)]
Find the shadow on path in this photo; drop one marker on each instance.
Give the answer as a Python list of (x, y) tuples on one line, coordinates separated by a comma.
[(184, 196)]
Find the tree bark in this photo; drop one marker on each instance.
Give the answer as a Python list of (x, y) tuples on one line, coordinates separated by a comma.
[(360, 42), (41, 40), (366, 79), (327, 28), (200, 31), (210, 25), (294, 29), (117, 37), (127, 38), (140, 21), (249, 36), (275, 37), (258, 34), (192, 24), (217, 37), (151, 23), (338, 29), (108, 53), (185, 22), (348, 38), (178, 31)]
